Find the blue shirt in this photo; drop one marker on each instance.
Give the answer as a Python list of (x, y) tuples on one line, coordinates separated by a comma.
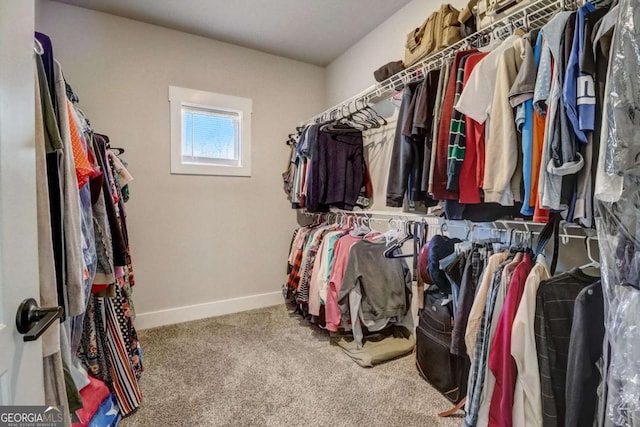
[(527, 139), (579, 89)]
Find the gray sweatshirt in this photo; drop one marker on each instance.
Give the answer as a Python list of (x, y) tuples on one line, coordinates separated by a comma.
[(385, 282)]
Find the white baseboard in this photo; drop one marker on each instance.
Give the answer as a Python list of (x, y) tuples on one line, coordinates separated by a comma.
[(171, 316)]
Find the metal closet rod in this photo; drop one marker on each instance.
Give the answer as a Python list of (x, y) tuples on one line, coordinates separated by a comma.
[(568, 230), (531, 17), (409, 215)]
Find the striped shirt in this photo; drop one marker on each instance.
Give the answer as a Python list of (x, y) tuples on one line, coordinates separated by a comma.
[(481, 353), (555, 302), (457, 136)]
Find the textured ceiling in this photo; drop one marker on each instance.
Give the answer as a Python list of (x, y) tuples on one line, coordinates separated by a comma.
[(314, 31)]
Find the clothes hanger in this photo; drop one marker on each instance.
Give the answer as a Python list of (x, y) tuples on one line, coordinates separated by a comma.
[(359, 118), (340, 125), (592, 261), (392, 233), (291, 140), (360, 228), (390, 252), (371, 114), (517, 241), (378, 116), (369, 120), (346, 222), (37, 47), (380, 121)]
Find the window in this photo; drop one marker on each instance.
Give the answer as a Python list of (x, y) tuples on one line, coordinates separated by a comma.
[(210, 133)]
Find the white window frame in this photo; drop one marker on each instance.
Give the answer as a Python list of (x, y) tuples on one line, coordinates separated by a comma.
[(191, 98)]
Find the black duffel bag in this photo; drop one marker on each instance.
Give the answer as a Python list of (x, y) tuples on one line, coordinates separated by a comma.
[(446, 372)]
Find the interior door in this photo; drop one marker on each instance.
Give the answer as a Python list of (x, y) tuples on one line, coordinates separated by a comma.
[(21, 381)]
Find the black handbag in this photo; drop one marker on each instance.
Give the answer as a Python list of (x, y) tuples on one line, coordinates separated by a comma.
[(446, 372)]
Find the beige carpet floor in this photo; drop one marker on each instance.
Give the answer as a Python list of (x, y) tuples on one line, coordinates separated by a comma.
[(267, 367)]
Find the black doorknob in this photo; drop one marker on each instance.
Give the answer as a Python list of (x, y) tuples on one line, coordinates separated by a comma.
[(32, 321)]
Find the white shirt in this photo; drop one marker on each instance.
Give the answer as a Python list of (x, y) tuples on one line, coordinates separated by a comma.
[(378, 147), (477, 96)]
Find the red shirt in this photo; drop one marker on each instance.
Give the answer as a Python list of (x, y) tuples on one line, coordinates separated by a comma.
[(469, 185), (501, 362), (333, 315), (440, 168)]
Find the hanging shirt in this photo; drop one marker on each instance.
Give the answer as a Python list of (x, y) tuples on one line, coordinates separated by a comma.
[(384, 284), (585, 353), (378, 146), (470, 181), (410, 159), (579, 90), (405, 168), (588, 107), (320, 275), (500, 361), (475, 315), (423, 124), (440, 171), (442, 86), (457, 134), (470, 281), (560, 158), (477, 96), (553, 322), (503, 156), (475, 392), (341, 256), (302, 295), (341, 168), (295, 258), (83, 168), (527, 398), (73, 256), (540, 94), (521, 97), (501, 294), (311, 185)]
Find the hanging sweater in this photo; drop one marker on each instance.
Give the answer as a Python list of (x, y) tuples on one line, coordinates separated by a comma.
[(457, 138), (385, 282)]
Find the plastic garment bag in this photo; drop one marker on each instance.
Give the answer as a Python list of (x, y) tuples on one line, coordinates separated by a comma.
[(618, 224)]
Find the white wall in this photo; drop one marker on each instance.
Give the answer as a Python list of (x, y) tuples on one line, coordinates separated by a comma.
[(352, 71), (194, 239)]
